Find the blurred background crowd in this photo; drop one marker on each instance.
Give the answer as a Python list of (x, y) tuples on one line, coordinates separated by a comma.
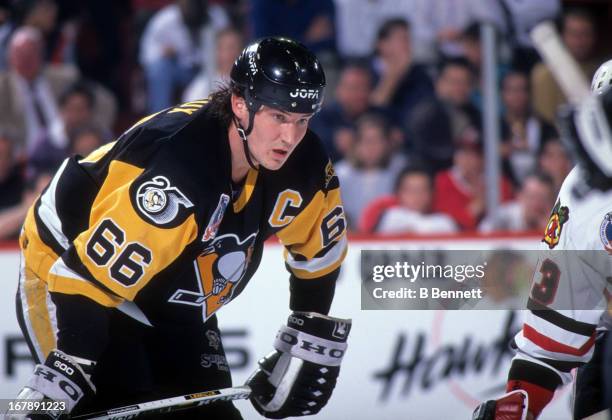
[(402, 119)]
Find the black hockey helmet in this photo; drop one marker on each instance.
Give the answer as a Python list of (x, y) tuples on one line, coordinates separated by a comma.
[(280, 73), (586, 131)]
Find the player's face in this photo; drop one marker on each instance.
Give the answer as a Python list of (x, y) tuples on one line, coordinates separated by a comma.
[(275, 135)]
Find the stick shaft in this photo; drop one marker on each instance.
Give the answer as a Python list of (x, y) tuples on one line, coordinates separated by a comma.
[(171, 404), (562, 65)]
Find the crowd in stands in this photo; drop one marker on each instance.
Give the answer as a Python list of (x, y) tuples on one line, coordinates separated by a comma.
[(402, 119)]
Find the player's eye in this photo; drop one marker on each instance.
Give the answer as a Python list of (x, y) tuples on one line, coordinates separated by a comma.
[(303, 121), (280, 118)]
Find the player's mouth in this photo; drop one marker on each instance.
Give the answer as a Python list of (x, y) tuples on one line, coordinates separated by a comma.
[(280, 153)]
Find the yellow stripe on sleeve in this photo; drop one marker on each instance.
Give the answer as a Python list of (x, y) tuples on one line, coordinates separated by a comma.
[(305, 235)]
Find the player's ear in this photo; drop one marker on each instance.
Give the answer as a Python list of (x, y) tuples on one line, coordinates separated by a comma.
[(239, 107)]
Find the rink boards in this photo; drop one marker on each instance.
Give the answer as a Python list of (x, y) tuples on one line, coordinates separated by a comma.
[(399, 364)]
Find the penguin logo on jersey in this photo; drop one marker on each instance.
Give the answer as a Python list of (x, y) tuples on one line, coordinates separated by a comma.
[(159, 201), (558, 217), (219, 269), (154, 200), (605, 232)]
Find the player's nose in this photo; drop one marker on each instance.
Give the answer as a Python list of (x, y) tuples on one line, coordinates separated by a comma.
[(290, 134)]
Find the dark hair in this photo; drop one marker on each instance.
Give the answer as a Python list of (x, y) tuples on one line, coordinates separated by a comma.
[(413, 169), (220, 103), (541, 177), (390, 24), (377, 119), (580, 13), (471, 32), (80, 87), (455, 62), (23, 8), (512, 73), (90, 128), (356, 64), (552, 138), (381, 122)]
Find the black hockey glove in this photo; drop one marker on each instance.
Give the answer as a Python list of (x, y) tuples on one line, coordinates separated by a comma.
[(299, 377), (60, 379)]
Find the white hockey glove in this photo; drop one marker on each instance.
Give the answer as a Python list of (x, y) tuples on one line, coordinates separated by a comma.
[(299, 377), (60, 379), (510, 406)]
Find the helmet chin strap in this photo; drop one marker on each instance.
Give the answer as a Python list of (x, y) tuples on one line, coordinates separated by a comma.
[(243, 135)]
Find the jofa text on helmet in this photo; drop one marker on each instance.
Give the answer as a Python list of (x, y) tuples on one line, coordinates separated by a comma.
[(305, 93), (252, 64)]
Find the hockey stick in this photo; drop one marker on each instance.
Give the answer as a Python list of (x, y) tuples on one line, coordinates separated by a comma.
[(171, 404), (561, 64)]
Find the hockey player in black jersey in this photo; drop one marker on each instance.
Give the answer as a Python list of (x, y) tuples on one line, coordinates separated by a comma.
[(130, 251)]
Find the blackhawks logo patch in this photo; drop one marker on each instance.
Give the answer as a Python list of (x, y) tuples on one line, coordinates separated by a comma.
[(558, 217)]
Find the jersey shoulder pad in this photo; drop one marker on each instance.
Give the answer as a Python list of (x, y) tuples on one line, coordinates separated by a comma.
[(188, 171)]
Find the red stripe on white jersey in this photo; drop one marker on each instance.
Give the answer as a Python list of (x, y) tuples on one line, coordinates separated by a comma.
[(549, 344)]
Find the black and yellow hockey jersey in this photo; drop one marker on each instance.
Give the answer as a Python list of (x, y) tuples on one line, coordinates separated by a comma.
[(152, 218)]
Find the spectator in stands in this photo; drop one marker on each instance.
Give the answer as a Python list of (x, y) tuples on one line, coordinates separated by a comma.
[(7, 26), (77, 106), (472, 51), (41, 15), (460, 191), (177, 42), (520, 17), (12, 181), (554, 160), (29, 91), (310, 22), (402, 84), (76, 110), (370, 170), (358, 22), (438, 24), (351, 100), (436, 122), (506, 280), (579, 36), (102, 38), (412, 214), (229, 44), (11, 218), (529, 212), (522, 131), (85, 139)]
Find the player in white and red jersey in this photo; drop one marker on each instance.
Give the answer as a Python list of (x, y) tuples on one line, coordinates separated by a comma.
[(567, 314)]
